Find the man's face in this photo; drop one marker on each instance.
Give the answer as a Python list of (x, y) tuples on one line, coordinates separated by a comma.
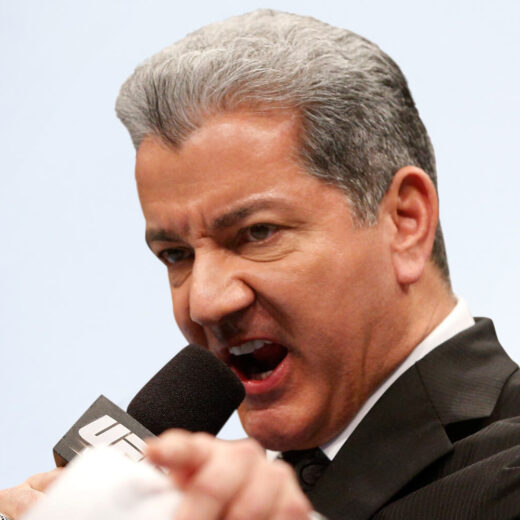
[(268, 270)]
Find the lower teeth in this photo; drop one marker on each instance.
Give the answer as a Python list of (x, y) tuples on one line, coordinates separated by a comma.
[(262, 375)]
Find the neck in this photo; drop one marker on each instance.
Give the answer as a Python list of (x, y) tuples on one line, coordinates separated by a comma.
[(419, 308), (428, 303)]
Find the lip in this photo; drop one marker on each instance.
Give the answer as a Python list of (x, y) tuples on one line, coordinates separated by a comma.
[(256, 387)]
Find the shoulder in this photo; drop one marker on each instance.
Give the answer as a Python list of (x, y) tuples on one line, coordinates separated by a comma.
[(479, 478)]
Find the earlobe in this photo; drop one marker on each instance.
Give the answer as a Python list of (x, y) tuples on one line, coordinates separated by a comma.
[(411, 204)]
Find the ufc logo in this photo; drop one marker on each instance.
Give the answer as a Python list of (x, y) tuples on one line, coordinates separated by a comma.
[(106, 431)]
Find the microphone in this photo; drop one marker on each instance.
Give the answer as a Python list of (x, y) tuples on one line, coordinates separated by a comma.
[(194, 391)]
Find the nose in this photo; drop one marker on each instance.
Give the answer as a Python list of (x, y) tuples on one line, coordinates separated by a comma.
[(218, 289)]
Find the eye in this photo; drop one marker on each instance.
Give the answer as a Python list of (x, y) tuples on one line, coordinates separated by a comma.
[(259, 232), (174, 256)]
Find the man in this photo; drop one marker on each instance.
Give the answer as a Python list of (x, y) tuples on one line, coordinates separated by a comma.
[(289, 186)]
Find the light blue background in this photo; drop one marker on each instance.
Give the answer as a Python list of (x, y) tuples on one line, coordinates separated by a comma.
[(84, 307)]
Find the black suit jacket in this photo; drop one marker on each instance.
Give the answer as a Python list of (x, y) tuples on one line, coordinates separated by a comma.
[(443, 442)]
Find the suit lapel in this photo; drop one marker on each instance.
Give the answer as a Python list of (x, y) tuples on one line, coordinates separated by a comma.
[(405, 430), (400, 436), (465, 376)]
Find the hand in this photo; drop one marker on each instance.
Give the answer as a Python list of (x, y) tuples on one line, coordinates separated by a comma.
[(16, 500), (229, 480)]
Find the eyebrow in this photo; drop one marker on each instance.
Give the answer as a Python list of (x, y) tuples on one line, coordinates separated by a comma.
[(222, 222), (160, 235), (236, 215)]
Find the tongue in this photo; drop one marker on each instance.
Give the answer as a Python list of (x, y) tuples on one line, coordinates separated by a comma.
[(261, 362)]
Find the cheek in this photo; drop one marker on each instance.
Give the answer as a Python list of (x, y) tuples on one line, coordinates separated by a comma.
[(328, 291)]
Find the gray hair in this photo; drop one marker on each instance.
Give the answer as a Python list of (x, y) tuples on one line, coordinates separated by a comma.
[(359, 121)]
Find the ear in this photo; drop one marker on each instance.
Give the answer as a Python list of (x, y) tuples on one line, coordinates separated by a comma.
[(411, 207)]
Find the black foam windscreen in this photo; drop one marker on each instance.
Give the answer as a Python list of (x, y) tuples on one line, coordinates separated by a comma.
[(194, 391)]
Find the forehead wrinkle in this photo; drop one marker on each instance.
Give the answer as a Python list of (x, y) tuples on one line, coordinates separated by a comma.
[(174, 228), (220, 223)]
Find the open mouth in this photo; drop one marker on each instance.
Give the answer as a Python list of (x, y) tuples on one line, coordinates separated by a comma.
[(256, 359)]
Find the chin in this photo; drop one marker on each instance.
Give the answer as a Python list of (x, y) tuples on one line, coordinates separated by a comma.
[(277, 433)]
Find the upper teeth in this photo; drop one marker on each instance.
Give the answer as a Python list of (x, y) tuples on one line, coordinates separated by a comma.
[(248, 347)]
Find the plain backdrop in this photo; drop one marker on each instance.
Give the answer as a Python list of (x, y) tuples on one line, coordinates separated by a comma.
[(84, 306)]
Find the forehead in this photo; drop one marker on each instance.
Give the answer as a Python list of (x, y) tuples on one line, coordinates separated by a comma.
[(244, 138), (231, 162), (238, 154)]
